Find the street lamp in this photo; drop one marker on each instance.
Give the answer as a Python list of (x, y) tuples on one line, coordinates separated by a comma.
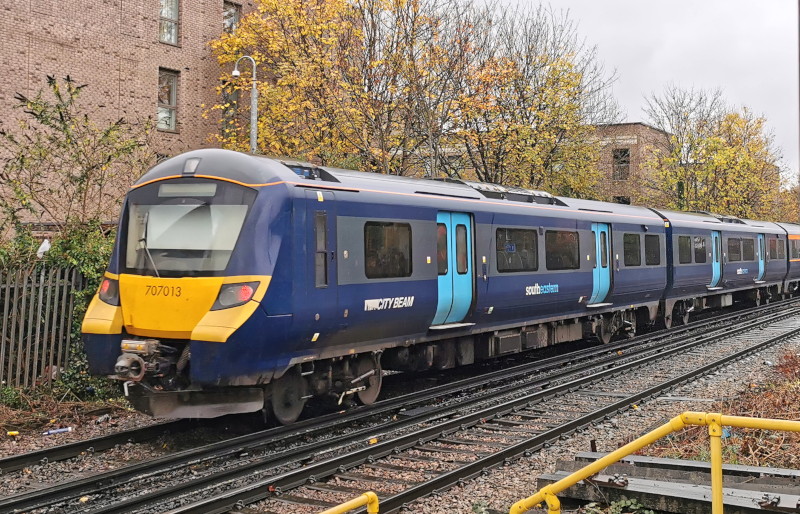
[(253, 101)]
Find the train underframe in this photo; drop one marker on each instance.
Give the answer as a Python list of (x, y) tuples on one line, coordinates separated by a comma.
[(156, 373)]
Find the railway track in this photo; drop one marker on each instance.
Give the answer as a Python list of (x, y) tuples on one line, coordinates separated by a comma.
[(269, 461)]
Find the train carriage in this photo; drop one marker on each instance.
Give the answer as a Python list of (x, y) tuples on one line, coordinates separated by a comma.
[(241, 283)]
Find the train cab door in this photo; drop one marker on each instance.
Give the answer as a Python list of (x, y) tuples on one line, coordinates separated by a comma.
[(321, 245), (454, 256), (601, 274), (716, 258), (762, 257)]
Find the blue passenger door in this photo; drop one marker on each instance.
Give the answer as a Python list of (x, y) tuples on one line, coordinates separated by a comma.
[(321, 247), (762, 258), (454, 264), (601, 274), (716, 258)]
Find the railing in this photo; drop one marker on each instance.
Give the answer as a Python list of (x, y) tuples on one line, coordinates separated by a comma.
[(36, 306), (369, 499), (714, 421)]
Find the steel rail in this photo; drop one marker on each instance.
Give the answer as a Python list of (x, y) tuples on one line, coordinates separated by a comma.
[(263, 488), (252, 441)]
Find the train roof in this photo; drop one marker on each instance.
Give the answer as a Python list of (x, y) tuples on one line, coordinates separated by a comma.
[(257, 170)]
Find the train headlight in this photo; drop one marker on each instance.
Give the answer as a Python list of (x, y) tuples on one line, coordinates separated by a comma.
[(233, 295), (109, 291)]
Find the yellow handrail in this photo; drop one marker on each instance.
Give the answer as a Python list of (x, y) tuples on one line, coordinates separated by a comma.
[(714, 421), (369, 499)]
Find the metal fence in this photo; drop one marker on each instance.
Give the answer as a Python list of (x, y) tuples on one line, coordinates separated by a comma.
[(36, 305)]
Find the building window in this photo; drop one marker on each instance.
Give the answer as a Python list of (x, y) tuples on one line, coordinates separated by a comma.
[(652, 250), (167, 114), (231, 14), (562, 250), (168, 22), (632, 249), (517, 250), (622, 163), (387, 248)]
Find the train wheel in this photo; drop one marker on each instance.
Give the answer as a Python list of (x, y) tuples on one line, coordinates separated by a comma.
[(367, 363), (680, 314), (604, 332), (288, 397)]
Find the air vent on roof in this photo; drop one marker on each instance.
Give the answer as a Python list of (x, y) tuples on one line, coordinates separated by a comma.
[(310, 172), (514, 194), (722, 217)]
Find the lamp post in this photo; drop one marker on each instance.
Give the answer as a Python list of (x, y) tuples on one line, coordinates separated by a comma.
[(253, 101)]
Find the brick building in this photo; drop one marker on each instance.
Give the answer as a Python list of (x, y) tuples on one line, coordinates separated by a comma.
[(625, 150), (139, 59)]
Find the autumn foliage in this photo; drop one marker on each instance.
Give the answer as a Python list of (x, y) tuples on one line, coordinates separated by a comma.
[(421, 87)]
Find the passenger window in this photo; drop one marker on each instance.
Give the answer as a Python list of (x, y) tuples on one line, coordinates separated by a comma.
[(700, 250), (748, 250), (562, 250), (773, 248), (603, 250), (734, 249), (652, 250), (321, 251), (795, 248), (461, 249), (387, 250), (632, 249), (441, 248), (517, 250), (781, 249), (684, 249)]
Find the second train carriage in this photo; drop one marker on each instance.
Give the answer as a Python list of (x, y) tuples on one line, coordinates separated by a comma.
[(239, 282)]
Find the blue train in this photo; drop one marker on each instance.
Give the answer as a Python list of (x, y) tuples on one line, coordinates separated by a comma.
[(241, 283)]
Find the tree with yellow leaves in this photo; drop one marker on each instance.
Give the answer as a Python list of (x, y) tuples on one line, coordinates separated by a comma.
[(718, 159), (423, 87)]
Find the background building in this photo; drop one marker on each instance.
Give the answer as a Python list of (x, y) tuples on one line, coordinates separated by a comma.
[(139, 59), (625, 149)]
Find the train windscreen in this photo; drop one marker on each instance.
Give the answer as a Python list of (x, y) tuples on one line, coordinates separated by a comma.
[(186, 227)]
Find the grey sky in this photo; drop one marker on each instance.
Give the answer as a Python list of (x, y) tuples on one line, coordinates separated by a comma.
[(747, 48)]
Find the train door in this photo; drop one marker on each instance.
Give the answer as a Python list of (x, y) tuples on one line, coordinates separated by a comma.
[(321, 245), (454, 263), (601, 274), (762, 257), (716, 258)]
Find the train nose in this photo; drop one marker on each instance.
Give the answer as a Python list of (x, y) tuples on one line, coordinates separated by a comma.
[(130, 367)]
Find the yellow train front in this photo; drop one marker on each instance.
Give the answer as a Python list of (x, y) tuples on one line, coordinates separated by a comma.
[(178, 315)]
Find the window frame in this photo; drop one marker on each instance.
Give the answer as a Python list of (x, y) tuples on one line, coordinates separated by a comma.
[(729, 248), (176, 21), (550, 254), (534, 251), (647, 261), (621, 163), (626, 253), (171, 107), (748, 242), (687, 250), (237, 10), (703, 253), (409, 259)]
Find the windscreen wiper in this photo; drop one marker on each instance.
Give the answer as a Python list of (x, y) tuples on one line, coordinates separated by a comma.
[(143, 243)]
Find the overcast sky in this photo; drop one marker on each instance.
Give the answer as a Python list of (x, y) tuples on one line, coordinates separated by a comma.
[(747, 48)]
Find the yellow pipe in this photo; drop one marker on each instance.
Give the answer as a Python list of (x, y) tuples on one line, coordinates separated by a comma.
[(676, 423), (369, 499), (714, 421), (715, 431)]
